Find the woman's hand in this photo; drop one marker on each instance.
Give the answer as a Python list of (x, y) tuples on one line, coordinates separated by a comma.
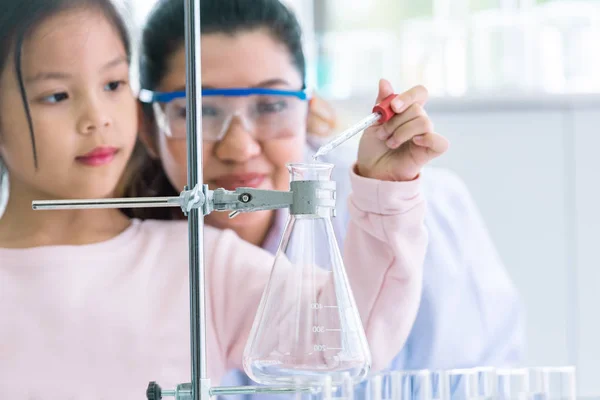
[(321, 118), (399, 148)]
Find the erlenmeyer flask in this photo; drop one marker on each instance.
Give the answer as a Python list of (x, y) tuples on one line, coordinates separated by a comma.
[(307, 324)]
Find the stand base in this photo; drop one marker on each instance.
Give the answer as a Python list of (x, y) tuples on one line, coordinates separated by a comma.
[(184, 391)]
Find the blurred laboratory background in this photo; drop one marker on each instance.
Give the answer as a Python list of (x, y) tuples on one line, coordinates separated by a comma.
[(516, 89)]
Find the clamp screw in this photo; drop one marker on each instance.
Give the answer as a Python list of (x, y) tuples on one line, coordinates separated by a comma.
[(245, 197), (153, 392)]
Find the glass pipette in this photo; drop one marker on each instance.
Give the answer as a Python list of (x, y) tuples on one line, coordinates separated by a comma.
[(382, 112)]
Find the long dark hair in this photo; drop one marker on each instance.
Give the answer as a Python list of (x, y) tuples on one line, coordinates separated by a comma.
[(164, 34)]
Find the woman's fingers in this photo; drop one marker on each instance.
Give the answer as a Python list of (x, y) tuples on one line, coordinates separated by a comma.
[(417, 126), (434, 142), (413, 112)]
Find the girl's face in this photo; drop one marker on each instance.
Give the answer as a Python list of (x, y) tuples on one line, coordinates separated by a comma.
[(245, 60), (76, 76)]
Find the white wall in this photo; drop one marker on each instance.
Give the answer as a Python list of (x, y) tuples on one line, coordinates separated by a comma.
[(514, 163), (532, 165), (587, 249)]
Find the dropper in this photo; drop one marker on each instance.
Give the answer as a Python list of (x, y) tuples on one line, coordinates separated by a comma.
[(382, 112)]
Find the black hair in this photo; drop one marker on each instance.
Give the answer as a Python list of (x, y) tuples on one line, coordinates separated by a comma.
[(19, 18), (164, 34), (164, 31)]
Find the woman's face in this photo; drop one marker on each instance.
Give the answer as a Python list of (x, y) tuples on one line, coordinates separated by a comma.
[(75, 70), (245, 60)]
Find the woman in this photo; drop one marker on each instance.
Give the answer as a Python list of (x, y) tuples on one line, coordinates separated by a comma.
[(251, 45)]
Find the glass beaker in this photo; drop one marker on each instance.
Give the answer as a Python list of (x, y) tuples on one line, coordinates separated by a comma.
[(307, 324)]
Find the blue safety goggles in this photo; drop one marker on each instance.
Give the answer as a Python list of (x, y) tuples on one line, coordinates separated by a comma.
[(148, 96), (266, 113)]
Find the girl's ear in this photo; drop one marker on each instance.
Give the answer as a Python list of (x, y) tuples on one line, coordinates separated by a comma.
[(147, 132)]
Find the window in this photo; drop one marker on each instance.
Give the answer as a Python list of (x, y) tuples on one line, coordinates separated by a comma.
[(454, 47), (458, 47)]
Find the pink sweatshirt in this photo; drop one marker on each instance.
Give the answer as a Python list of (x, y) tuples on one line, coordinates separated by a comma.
[(100, 321)]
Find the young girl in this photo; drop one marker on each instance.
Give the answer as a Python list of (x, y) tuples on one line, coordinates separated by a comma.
[(95, 305)]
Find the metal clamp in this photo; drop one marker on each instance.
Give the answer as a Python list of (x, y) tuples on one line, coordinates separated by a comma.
[(313, 198), (249, 200), (304, 198), (199, 197)]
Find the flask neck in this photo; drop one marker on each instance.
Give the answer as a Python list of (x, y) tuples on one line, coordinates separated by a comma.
[(313, 192), (310, 171)]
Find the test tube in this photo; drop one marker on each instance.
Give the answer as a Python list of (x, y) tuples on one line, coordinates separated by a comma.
[(553, 383), (374, 389), (512, 384), (411, 385), (486, 382), (347, 389), (341, 391), (327, 388), (462, 384), (439, 385)]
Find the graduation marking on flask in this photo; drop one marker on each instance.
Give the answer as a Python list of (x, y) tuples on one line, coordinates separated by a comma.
[(322, 329), (319, 306), (323, 347)]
